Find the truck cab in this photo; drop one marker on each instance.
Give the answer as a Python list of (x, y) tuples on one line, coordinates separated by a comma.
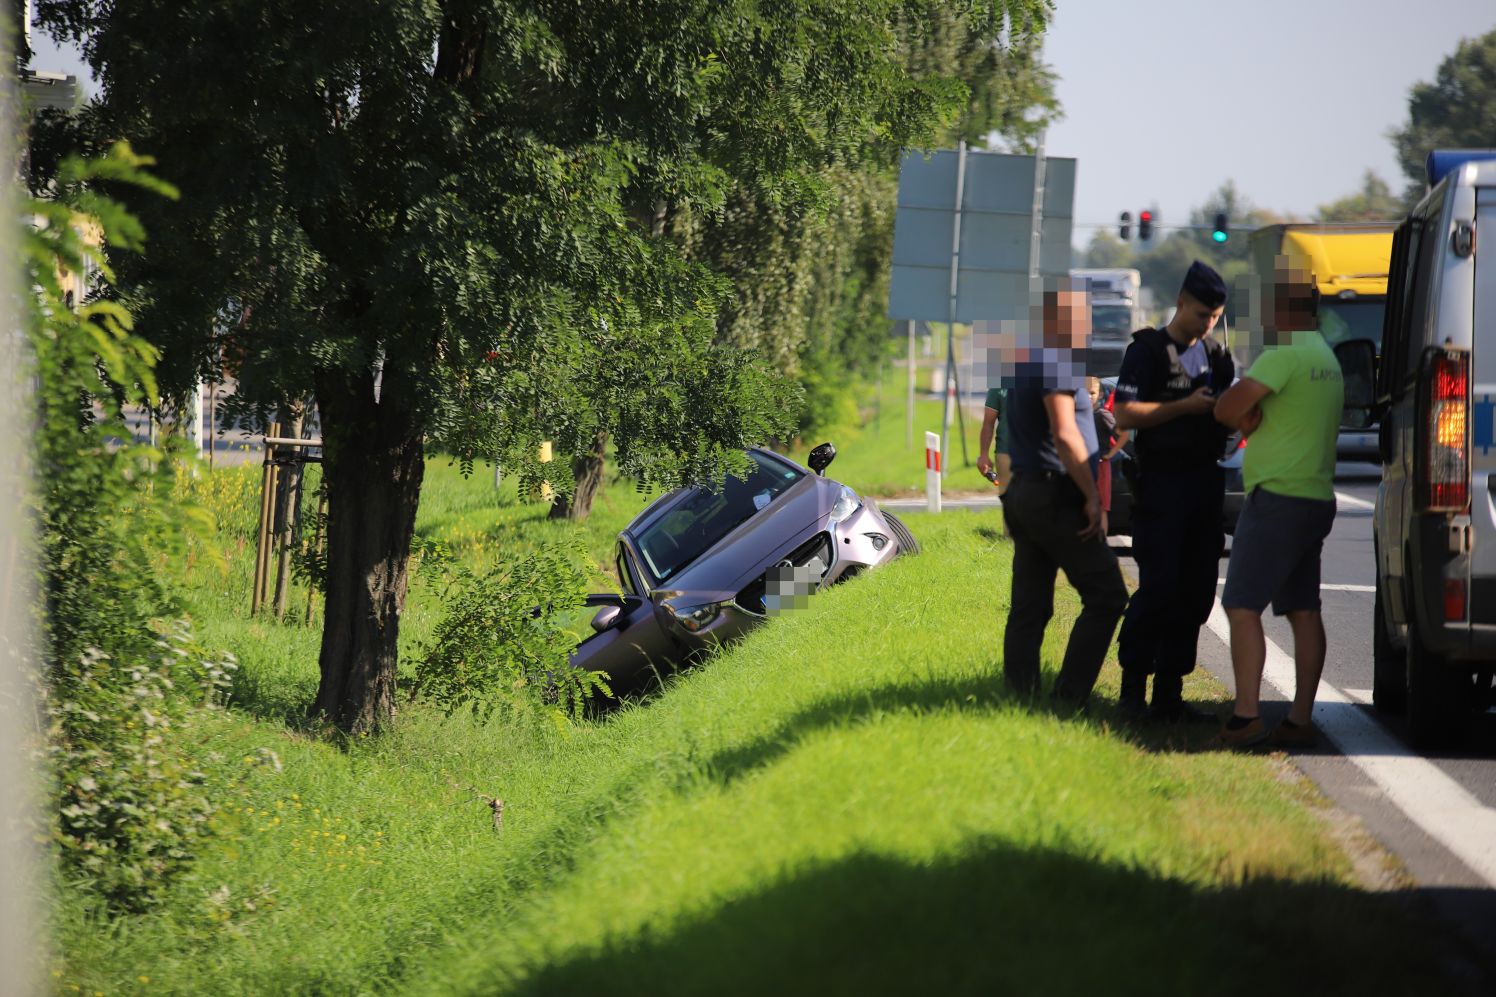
[(1349, 262), (1116, 313), (1434, 526)]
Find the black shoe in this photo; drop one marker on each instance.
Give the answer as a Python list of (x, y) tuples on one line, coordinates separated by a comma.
[(1133, 710), (1179, 712)]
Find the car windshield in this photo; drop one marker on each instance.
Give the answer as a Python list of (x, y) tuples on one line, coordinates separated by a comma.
[(695, 524), (1111, 321), (1341, 321)]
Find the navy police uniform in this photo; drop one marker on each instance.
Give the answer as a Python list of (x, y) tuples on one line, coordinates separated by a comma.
[(1178, 494)]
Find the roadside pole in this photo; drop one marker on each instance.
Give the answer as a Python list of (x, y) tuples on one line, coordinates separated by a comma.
[(932, 472), (909, 430), (1036, 224), (950, 332)]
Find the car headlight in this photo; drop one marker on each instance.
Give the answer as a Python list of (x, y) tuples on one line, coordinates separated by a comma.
[(846, 504), (694, 618)]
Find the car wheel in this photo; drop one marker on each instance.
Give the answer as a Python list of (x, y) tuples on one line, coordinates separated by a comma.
[(1438, 697), (1389, 669), (907, 543)]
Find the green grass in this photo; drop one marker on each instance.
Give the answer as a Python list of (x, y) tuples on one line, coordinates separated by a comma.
[(846, 801), (875, 458)]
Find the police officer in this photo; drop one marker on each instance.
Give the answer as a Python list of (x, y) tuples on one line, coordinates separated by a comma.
[(1166, 392)]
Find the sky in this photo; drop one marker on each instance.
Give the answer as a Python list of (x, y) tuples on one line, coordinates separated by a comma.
[(1164, 100)]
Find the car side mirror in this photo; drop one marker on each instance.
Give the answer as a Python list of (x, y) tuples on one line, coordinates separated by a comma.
[(821, 457), (606, 618), (1358, 370)]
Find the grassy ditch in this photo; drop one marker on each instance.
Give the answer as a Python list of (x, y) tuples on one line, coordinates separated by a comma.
[(846, 801), (875, 458)]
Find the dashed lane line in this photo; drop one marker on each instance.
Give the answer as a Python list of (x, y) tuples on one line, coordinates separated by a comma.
[(1351, 502), (1444, 809)]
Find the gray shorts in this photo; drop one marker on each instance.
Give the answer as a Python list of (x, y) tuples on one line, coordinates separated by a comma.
[(1275, 553)]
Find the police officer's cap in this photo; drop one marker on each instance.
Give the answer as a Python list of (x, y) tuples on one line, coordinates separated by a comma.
[(1204, 285)]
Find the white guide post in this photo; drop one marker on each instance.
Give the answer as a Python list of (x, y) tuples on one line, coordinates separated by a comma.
[(932, 471)]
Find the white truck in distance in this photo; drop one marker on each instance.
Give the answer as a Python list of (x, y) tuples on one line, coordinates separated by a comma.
[(1116, 313)]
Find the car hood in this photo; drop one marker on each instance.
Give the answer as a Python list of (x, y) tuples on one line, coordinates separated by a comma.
[(753, 546)]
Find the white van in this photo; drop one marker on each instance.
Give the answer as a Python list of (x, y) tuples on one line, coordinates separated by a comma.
[(1435, 393)]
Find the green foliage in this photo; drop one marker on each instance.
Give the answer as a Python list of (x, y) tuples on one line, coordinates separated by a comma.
[(132, 805), (1374, 202), (1106, 250), (1457, 110), (501, 645), (119, 686)]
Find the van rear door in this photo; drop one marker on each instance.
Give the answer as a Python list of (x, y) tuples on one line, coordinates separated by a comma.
[(1483, 413)]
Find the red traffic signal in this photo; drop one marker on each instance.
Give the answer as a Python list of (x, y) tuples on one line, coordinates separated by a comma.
[(1145, 226)]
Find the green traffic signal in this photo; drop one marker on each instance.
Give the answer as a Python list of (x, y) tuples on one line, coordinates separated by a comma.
[(1219, 236), (1221, 233)]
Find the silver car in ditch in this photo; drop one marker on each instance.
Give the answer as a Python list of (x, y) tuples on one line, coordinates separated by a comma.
[(700, 567)]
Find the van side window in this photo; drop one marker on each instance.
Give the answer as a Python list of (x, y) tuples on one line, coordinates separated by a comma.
[(1394, 324), (1424, 293)]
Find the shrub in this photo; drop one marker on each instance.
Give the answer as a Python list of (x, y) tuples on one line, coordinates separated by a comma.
[(130, 801), (118, 687), (501, 645)]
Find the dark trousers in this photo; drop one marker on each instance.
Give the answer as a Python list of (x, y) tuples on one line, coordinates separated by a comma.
[(1177, 541), (1043, 513)]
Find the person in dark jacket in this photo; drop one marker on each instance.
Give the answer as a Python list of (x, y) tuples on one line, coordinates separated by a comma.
[(1053, 510), (1166, 392)]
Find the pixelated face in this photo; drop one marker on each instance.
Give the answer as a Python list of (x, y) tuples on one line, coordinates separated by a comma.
[(1293, 305), (1195, 318), (1067, 319)]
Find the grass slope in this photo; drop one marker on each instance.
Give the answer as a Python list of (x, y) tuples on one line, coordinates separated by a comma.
[(874, 458), (846, 801)]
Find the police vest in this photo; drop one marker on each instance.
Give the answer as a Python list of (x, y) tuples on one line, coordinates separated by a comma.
[(1186, 441)]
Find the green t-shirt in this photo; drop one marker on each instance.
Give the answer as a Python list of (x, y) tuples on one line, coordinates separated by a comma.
[(995, 399), (1293, 451)]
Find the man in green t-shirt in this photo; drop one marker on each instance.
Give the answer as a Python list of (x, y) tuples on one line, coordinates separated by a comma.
[(993, 417), (1290, 404)]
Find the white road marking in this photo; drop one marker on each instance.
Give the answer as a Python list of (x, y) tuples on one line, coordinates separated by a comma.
[(1362, 696), (1444, 809), (1350, 501)]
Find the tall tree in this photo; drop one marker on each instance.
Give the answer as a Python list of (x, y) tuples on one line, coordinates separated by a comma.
[(1457, 110), (1106, 250), (1374, 202), (426, 216)]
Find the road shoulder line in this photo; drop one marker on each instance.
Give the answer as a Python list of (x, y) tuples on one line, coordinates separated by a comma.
[(1439, 805)]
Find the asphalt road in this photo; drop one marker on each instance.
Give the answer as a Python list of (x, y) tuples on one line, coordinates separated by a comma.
[(1435, 812)]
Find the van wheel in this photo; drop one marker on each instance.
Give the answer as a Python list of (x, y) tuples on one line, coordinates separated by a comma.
[(1389, 668), (907, 543), (1438, 698)]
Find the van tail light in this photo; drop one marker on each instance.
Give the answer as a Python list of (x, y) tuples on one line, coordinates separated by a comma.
[(1454, 600), (1443, 467)]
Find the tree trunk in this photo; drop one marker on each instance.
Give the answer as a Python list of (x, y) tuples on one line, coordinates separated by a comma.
[(373, 466), (587, 471)]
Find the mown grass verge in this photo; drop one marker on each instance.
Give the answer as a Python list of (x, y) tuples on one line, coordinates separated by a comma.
[(875, 458), (846, 801)]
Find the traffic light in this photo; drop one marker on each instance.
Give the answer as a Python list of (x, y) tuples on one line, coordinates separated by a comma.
[(1145, 226), (1124, 226), (1220, 233)]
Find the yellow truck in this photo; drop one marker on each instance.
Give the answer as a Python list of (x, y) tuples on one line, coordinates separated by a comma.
[(1349, 262)]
